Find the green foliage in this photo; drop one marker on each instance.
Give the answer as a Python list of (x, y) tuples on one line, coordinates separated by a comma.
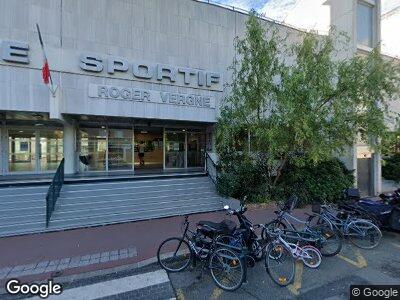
[(391, 143), (324, 181), (300, 97), (391, 167), (243, 177)]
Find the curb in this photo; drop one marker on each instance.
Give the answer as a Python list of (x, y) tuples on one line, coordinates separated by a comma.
[(98, 273)]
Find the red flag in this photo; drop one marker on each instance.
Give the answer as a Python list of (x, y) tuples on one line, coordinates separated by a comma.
[(46, 72)]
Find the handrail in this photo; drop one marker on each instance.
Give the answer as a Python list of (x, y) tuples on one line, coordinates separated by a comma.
[(211, 167), (54, 191)]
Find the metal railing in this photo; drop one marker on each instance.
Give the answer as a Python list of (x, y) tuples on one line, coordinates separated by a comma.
[(211, 167), (54, 191)]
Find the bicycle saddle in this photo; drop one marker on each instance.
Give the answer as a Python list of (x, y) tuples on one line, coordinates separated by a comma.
[(225, 226)]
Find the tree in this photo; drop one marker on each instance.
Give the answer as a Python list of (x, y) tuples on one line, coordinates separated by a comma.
[(298, 97)]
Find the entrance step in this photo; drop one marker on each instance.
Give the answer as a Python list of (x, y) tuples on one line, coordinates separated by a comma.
[(22, 210), (101, 203), (94, 203)]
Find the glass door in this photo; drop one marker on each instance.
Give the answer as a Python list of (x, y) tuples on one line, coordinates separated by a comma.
[(22, 151), (120, 150), (50, 149), (195, 149), (148, 148), (93, 149), (175, 150)]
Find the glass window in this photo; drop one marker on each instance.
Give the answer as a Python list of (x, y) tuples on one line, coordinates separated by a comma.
[(93, 149), (21, 150), (148, 148), (174, 149), (51, 149), (195, 149), (365, 24), (120, 154)]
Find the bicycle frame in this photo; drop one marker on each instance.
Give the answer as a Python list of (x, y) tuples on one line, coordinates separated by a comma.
[(286, 217), (213, 244), (343, 224)]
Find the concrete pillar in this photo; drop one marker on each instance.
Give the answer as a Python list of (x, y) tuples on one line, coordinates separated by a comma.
[(69, 145), (377, 173), (3, 149), (349, 159)]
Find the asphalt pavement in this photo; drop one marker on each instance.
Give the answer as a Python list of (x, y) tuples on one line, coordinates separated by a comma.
[(331, 280)]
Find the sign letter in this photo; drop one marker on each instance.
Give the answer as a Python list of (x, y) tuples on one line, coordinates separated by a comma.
[(15, 52), (116, 64), (91, 62), (171, 73)]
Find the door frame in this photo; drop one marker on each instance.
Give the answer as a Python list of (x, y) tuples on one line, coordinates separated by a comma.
[(37, 168)]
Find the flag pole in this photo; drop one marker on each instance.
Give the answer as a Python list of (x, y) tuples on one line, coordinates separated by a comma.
[(45, 58)]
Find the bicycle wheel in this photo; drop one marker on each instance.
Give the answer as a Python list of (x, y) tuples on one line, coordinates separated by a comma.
[(330, 243), (227, 269), (280, 264), (364, 234), (311, 256), (174, 254), (319, 220)]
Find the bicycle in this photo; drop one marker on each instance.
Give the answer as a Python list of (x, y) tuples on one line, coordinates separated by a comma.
[(356, 229), (281, 256), (326, 236), (225, 264), (244, 236)]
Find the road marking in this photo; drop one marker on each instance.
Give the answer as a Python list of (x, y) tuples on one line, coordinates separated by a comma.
[(180, 295), (112, 287), (360, 261), (216, 293), (298, 277)]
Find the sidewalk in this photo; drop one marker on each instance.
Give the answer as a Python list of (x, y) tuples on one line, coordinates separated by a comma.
[(58, 254)]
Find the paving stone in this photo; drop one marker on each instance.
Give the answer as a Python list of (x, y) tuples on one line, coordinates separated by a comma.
[(94, 260), (62, 267), (54, 262), (85, 257), (105, 254), (84, 263), (50, 268), (132, 252), (105, 259), (73, 264), (30, 266), (95, 255), (5, 270), (65, 260), (13, 274), (43, 264), (18, 268), (123, 251), (75, 259), (37, 271)]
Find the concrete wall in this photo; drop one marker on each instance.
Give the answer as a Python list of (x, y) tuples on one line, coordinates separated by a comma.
[(181, 33)]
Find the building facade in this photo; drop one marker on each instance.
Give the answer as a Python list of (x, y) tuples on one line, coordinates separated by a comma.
[(137, 84)]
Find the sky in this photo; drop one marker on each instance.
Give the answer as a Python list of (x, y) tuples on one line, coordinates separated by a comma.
[(312, 14)]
